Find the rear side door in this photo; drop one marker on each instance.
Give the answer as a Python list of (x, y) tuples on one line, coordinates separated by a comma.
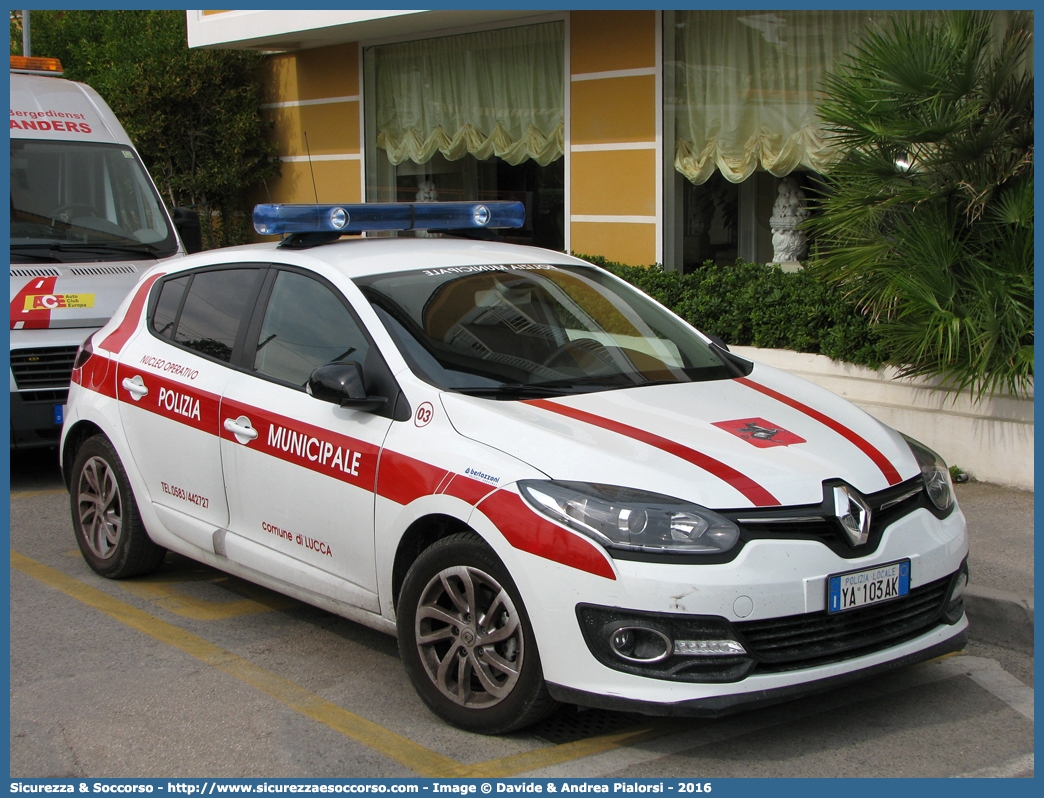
[(300, 472), (170, 380)]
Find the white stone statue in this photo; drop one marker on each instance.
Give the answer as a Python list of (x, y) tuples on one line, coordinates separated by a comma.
[(788, 242)]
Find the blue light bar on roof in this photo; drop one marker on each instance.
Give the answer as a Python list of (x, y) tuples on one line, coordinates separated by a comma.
[(362, 217)]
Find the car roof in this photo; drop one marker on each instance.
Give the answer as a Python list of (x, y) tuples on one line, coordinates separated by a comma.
[(364, 257)]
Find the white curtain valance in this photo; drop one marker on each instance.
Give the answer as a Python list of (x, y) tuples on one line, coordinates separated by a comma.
[(747, 88), (496, 92)]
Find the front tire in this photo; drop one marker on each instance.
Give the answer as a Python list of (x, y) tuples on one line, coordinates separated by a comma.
[(105, 516), (466, 640)]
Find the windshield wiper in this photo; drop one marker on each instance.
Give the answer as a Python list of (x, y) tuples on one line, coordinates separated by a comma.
[(538, 391), (143, 250), (18, 250), (512, 391)]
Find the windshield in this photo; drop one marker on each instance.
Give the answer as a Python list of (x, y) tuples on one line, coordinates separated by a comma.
[(83, 201), (528, 330)]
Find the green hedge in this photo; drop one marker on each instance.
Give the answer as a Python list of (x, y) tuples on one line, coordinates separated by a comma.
[(748, 304)]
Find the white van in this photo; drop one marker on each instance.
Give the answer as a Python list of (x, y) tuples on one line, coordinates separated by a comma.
[(86, 221)]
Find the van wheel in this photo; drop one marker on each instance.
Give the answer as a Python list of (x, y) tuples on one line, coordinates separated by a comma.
[(105, 517), (466, 640)]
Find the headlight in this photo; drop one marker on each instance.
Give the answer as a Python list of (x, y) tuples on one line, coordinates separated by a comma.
[(935, 473), (622, 518)]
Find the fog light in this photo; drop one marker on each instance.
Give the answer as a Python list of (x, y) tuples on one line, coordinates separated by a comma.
[(639, 644), (955, 605), (708, 648)]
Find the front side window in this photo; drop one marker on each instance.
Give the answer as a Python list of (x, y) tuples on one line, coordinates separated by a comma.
[(306, 325), (74, 198), (537, 329)]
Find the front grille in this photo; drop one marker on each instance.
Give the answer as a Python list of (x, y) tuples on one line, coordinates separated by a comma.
[(802, 641), (818, 522), (53, 396), (43, 367)]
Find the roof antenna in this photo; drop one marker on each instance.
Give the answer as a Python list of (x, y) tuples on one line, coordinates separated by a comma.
[(308, 152)]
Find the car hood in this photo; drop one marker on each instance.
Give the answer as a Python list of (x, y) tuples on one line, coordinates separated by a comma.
[(763, 440), (70, 294)]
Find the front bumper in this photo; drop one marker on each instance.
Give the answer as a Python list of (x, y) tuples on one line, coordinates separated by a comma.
[(40, 367), (716, 706)]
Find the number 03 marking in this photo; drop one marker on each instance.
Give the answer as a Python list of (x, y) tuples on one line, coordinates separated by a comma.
[(424, 414)]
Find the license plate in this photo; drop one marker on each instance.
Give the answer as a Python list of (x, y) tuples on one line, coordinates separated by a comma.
[(869, 586), (59, 414)]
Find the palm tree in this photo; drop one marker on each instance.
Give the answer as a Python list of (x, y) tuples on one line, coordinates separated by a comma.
[(927, 216)]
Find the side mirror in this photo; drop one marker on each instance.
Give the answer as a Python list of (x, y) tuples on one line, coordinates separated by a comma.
[(342, 384), (186, 222)]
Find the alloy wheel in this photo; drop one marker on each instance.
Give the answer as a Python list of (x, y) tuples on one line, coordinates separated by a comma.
[(469, 637), (100, 506)]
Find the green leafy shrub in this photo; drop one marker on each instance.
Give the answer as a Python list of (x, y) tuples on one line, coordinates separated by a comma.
[(748, 304), (927, 217)]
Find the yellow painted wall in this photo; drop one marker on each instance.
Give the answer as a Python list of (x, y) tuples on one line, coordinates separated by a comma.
[(591, 98), (335, 181), (604, 41), (332, 128), (626, 243), (614, 183), (613, 110), (314, 74)]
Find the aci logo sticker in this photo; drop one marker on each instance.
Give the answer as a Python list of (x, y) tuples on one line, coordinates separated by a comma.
[(759, 432), (58, 301)]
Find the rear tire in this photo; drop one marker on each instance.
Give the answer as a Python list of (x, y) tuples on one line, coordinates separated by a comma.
[(466, 640), (105, 516)]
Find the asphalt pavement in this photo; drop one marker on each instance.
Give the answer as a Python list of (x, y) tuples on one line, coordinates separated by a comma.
[(999, 599)]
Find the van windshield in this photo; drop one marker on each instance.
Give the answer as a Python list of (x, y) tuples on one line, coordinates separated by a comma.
[(514, 331), (79, 201)]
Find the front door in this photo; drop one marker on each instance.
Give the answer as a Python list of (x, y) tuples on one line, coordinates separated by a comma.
[(299, 471)]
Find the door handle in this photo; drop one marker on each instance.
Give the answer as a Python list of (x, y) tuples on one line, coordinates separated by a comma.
[(136, 387), (241, 428)]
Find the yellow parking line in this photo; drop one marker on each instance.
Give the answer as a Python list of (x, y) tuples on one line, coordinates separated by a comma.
[(417, 758), (28, 494), (566, 752)]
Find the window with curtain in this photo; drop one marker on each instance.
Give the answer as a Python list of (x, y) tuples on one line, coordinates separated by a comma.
[(741, 92), (470, 117), (495, 92), (747, 88)]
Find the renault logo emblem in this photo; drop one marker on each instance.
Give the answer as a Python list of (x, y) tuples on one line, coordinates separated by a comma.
[(853, 513)]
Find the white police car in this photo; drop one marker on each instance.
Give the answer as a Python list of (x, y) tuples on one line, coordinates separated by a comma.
[(548, 486)]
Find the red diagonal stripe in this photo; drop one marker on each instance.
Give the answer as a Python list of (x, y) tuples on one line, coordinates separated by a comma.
[(754, 492), (882, 462), (118, 337), (526, 530)]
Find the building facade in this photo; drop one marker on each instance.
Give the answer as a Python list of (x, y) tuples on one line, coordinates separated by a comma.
[(645, 137)]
